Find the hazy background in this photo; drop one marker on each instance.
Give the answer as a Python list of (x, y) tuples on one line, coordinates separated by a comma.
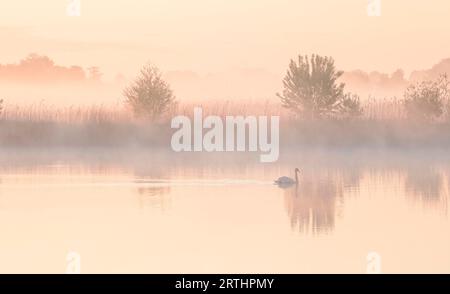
[(90, 178), (225, 49)]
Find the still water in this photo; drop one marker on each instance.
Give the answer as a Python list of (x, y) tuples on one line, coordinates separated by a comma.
[(173, 216)]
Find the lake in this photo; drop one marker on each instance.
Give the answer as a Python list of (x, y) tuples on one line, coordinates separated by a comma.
[(165, 213)]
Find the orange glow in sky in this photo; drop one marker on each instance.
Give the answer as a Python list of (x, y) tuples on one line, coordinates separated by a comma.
[(218, 35)]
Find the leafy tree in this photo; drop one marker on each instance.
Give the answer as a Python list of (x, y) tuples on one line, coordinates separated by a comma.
[(149, 96), (350, 106), (311, 89), (35, 60), (426, 100)]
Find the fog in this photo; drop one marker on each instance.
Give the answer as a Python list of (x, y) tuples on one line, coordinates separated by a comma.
[(354, 107)]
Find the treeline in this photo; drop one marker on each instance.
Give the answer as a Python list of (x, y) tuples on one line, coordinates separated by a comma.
[(39, 68), (311, 90)]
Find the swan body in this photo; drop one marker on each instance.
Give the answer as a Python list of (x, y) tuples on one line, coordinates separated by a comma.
[(287, 181)]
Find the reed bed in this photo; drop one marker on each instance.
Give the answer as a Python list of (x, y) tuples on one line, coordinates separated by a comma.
[(70, 114), (373, 109), (382, 124), (384, 109)]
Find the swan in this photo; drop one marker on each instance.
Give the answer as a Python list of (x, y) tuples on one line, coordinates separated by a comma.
[(287, 181)]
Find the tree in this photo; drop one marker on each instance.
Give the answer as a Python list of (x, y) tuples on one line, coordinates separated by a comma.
[(426, 100), (149, 95), (37, 61), (311, 89), (350, 106)]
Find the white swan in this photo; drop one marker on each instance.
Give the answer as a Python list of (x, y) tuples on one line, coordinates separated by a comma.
[(287, 181)]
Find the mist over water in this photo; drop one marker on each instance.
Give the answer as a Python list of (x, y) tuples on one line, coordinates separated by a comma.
[(154, 211), (102, 183), (91, 96)]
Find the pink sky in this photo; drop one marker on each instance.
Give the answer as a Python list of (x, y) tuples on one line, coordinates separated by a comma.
[(219, 35)]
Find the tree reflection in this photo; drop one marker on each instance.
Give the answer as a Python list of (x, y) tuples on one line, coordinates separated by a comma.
[(312, 204), (424, 184), (154, 196)]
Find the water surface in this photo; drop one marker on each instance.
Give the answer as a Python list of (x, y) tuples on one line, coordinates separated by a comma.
[(202, 217)]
